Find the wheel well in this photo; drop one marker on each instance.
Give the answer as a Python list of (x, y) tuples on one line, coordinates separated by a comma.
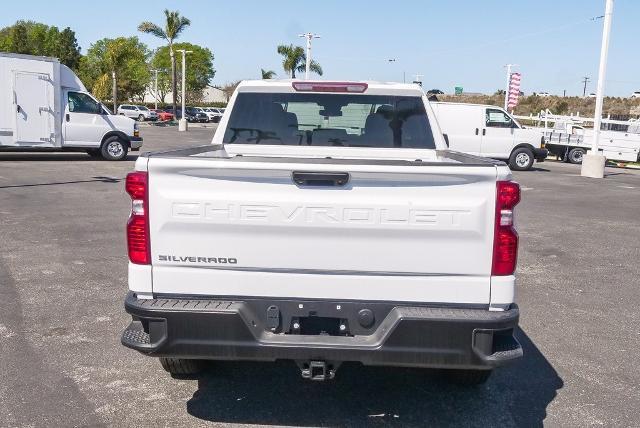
[(523, 145), (121, 135)]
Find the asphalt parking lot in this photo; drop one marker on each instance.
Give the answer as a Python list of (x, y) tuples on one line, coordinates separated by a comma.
[(63, 277)]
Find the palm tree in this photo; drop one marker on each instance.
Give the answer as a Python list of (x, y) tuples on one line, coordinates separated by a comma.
[(294, 59), (267, 74), (174, 25)]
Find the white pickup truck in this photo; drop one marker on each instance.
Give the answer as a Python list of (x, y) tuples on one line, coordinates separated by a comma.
[(325, 223)]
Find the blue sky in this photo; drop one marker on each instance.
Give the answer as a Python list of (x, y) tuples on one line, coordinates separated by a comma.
[(463, 42)]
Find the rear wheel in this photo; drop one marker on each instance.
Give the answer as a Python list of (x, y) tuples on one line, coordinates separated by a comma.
[(468, 377), (521, 159), (575, 155), (114, 149), (181, 366), (141, 118)]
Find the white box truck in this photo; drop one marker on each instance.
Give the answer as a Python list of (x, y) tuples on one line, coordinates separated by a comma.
[(489, 131), (44, 106)]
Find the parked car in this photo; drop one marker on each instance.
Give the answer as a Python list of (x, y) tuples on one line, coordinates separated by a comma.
[(543, 94), (214, 114), (326, 222), (178, 114), (139, 113), (490, 131), (163, 115), (44, 106), (591, 95), (635, 94), (198, 114)]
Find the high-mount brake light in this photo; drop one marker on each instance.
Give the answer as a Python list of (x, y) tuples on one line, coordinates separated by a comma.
[(505, 239), (138, 224), (355, 88)]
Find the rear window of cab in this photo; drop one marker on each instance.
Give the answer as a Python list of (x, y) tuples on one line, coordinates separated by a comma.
[(322, 119)]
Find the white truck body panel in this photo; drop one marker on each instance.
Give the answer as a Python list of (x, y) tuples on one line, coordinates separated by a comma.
[(381, 226), (467, 130), (31, 99), (34, 111)]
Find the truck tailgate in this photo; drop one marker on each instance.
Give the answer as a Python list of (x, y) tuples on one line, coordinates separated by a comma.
[(394, 232)]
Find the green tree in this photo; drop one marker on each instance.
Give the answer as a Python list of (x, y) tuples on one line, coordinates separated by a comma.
[(267, 74), (200, 69), (174, 24), (34, 38), (121, 62), (294, 59)]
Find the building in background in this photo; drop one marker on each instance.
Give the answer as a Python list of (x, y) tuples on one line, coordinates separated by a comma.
[(210, 95)]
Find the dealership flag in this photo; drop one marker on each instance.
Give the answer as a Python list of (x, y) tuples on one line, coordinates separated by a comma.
[(514, 90)]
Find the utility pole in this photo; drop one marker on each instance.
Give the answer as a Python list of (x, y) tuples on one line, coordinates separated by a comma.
[(585, 79), (506, 89), (182, 125), (155, 88), (308, 36), (593, 162)]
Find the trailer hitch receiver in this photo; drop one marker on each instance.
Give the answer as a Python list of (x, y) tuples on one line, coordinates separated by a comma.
[(317, 370)]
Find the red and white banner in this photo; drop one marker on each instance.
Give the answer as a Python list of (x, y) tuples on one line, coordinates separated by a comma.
[(514, 90)]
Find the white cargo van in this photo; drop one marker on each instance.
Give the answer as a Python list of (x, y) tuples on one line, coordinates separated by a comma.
[(489, 131), (44, 106)]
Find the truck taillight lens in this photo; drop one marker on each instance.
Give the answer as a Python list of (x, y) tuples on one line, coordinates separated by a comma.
[(138, 223), (505, 239)]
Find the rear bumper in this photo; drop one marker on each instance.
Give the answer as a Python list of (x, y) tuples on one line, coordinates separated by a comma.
[(540, 154), (396, 335)]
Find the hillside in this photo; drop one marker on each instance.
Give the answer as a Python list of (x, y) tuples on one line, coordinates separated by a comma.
[(558, 105)]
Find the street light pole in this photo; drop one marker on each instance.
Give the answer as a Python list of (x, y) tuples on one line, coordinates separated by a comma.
[(593, 162), (182, 125), (506, 89), (308, 36)]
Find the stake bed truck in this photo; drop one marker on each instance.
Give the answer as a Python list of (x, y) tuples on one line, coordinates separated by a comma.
[(327, 222)]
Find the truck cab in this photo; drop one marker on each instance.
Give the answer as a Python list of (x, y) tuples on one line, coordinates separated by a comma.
[(87, 123), (490, 131)]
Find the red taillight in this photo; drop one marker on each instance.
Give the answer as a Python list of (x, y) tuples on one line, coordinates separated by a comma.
[(138, 224), (356, 88), (505, 239)]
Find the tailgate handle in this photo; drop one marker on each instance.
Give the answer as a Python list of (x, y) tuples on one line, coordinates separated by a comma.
[(320, 178)]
